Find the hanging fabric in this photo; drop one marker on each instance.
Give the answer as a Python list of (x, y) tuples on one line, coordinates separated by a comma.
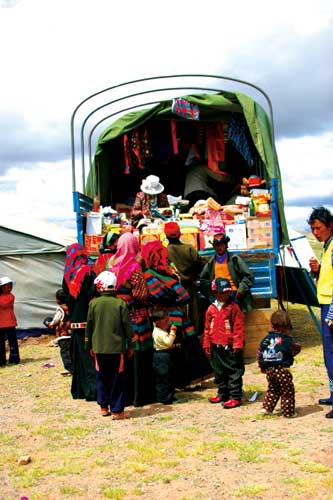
[(185, 109), (173, 125), (238, 136), (215, 147)]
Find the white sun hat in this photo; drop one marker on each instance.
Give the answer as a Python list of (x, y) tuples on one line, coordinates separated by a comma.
[(152, 185), (5, 280)]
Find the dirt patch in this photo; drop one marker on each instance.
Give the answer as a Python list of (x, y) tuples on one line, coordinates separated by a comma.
[(189, 451)]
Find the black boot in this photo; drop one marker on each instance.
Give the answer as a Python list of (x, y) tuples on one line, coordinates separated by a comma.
[(329, 414), (325, 401)]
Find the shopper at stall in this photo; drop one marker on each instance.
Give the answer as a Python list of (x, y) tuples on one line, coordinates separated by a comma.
[(230, 267), (109, 337), (167, 294), (60, 323), (107, 249), (8, 322), (164, 335), (321, 223), (188, 264), (132, 288), (79, 288), (149, 199)]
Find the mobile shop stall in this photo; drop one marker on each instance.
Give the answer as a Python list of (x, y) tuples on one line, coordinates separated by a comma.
[(227, 133)]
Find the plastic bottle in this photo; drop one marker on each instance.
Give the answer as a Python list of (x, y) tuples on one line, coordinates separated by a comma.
[(96, 204), (252, 208)]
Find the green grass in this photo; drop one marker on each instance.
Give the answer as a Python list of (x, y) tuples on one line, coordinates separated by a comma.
[(183, 450), (251, 490)]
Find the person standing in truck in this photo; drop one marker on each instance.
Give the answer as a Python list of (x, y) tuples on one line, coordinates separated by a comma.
[(149, 199)]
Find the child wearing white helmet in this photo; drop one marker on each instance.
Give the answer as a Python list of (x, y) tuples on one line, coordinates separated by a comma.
[(108, 337), (8, 322)]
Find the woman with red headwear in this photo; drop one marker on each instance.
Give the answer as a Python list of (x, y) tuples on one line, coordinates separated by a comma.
[(132, 288), (79, 288), (167, 294)]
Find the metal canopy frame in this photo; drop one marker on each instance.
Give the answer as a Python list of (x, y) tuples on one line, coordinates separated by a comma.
[(150, 91), (127, 94)]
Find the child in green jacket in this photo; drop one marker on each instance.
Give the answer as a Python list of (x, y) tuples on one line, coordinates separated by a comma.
[(108, 337)]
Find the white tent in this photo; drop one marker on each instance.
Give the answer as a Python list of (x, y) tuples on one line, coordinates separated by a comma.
[(32, 253)]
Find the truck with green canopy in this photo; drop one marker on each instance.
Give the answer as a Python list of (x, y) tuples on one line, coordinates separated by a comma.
[(140, 116)]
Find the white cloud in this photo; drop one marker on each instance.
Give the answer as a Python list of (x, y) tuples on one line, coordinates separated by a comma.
[(306, 166), (60, 51), (44, 192)]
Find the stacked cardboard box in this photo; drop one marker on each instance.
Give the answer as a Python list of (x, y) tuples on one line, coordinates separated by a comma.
[(259, 232)]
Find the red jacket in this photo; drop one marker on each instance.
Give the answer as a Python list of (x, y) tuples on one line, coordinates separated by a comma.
[(7, 315), (217, 330)]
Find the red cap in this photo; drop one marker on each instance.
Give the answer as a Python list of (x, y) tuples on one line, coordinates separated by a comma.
[(172, 229)]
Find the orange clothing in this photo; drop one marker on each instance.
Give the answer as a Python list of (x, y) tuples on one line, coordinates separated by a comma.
[(7, 315), (221, 270)]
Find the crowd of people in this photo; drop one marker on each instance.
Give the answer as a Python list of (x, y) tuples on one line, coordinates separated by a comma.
[(146, 320)]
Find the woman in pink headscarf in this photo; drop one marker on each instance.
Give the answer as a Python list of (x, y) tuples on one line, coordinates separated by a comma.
[(131, 286)]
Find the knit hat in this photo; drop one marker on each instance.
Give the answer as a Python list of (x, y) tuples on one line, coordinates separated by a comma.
[(152, 185), (105, 281), (221, 285), (172, 230), (220, 238)]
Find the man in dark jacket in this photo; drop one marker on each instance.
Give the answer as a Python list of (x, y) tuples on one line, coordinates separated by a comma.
[(188, 264), (232, 268)]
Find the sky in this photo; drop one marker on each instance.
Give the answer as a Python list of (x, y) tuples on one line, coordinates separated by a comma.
[(54, 53)]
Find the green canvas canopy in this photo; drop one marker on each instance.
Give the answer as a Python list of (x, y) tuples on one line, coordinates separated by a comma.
[(215, 107)]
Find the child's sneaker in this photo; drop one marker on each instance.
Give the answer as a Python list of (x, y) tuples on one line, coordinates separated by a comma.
[(216, 399), (232, 403)]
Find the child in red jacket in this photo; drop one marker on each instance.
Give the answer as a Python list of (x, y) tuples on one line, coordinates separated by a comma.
[(8, 322), (223, 342)]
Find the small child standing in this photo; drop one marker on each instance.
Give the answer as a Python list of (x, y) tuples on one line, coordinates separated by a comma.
[(275, 356), (163, 360), (8, 322), (61, 324), (108, 337), (224, 342)]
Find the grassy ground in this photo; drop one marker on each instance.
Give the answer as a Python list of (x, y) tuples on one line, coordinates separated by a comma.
[(190, 451)]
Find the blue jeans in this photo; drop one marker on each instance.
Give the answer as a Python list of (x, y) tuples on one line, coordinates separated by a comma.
[(327, 339)]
